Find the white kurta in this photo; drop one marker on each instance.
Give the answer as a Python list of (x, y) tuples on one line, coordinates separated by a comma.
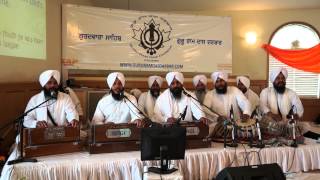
[(111, 110), (253, 99), (270, 100), (221, 103), (75, 101), (210, 115), (62, 110), (167, 106), (146, 103)]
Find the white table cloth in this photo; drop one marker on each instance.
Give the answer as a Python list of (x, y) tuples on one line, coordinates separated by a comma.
[(198, 163)]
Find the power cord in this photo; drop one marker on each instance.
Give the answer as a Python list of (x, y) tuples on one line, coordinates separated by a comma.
[(234, 157)]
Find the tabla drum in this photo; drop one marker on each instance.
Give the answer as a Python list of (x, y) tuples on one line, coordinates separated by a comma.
[(245, 130), (271, 128)]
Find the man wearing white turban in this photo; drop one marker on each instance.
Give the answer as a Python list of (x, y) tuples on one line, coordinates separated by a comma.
[(118, 106), (172, 104), (243, 83), (136, 93), (277, 101), (147, 99), (59, 110), (200, 86), (225, 99)]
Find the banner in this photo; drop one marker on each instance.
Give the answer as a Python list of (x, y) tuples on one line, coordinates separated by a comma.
[(108, 39)]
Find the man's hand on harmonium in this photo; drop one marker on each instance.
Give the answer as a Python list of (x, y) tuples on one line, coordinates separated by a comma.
[(42, 124), (74, 123), (244, 117), (172, 120), (204, 120), (139, 122)]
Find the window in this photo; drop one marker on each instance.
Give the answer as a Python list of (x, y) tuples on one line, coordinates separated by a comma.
[(297, 36)]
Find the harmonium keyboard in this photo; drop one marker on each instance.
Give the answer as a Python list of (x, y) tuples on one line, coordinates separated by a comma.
[(50, 141), (197, 135), (107, 138)]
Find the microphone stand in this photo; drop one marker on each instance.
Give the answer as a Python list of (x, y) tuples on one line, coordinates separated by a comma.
[(233, 131), (147, 119), (260, 141), (189, 95), (293, 122), (225, 123), (20, 119)]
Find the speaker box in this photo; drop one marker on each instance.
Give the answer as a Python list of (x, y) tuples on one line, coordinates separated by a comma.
[(257, 172)]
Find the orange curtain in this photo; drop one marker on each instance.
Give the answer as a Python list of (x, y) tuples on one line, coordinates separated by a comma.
[(305, 59)]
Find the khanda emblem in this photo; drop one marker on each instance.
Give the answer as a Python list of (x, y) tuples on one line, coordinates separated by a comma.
[(151, 37)]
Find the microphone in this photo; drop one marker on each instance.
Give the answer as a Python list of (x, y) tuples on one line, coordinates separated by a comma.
[(182, 115), (53, 95), (290, 113), (254, 113), (231, 113), (122, 95)]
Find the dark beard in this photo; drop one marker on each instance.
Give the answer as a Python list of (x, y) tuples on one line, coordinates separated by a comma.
[(48, 94), (117, 97), (176, 92), (244, 90), (280, 89), (221, 90), (155, 93)]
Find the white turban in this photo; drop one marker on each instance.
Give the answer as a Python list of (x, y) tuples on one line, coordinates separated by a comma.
[(46, 75), (244, 80), (136, 93), (151, 80), (198, 78), (112, 78), (277, 71), (174, 75), (221, 75)]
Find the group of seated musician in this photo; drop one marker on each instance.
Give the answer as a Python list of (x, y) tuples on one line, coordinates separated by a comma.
[(173, 105)]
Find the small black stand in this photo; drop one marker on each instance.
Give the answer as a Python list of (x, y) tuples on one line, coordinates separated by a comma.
[(164, 167), (21, 158), (20, 120)]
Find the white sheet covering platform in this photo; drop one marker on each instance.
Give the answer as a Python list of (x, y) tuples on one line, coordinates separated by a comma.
[(198, 164)]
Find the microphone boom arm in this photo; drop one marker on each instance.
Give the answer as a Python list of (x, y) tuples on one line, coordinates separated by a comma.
[(189, 95)]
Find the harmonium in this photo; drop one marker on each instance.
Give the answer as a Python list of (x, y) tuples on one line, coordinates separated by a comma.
[(197, 135), (50, 141), (107, 138)]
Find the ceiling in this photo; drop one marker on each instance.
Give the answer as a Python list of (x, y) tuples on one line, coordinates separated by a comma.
[(233, 5)]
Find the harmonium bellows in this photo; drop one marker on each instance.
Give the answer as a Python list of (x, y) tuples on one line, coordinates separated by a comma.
[(51, 140), (107, 138), (196, 135)]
